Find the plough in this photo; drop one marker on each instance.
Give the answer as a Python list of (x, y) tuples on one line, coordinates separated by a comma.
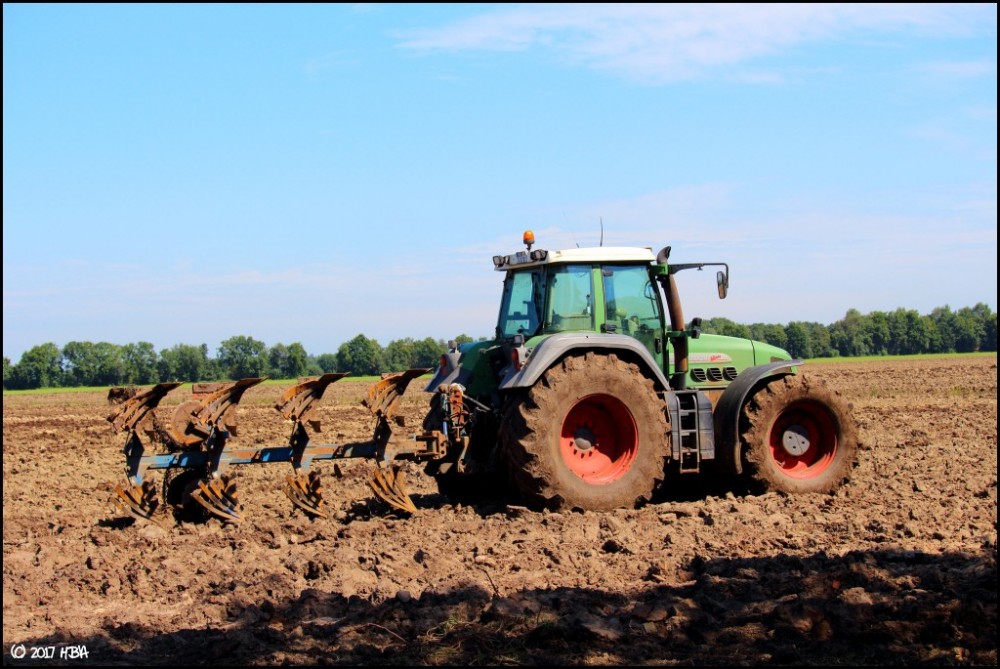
[(200, 453)]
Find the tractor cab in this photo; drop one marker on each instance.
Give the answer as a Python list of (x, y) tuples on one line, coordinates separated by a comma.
[(607, 290)]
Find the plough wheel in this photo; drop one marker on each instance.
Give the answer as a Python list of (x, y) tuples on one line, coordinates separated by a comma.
[(138, 501), (306, 492), (389, 485), (218, 497)]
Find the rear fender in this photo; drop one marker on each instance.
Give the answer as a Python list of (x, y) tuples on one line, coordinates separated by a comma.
[(557, 346), (727, 410)]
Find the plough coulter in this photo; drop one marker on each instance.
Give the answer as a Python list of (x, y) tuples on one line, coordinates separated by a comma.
[(200, 454)]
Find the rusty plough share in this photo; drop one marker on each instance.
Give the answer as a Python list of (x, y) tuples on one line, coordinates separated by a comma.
[(199, 432)]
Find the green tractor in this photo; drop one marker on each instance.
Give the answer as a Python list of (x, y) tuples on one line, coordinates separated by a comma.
[(594, 390), (592, 393)]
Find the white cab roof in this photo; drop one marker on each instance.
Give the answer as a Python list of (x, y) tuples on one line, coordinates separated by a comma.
[(596, 254), (603, 254)]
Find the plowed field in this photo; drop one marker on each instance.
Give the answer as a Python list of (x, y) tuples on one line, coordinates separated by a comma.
[(896, 567)]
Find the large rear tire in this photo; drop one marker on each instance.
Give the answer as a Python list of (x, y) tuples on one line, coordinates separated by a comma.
[(591, 434), (797, 436)]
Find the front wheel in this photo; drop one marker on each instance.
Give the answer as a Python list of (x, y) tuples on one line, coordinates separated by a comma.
[(798, 436), (591, 434)]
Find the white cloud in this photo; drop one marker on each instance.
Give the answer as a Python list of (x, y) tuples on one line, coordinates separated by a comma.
[(659, 43)]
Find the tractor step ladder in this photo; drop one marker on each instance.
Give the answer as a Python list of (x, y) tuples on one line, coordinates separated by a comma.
[(691, 428)]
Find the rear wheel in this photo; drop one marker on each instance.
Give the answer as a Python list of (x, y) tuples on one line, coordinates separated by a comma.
[(798, 436), (591, 434)]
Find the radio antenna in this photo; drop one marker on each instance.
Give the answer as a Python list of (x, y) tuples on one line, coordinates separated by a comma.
[(602, 231)]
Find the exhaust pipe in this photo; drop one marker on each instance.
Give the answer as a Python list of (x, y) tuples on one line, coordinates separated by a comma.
[(678, 379)]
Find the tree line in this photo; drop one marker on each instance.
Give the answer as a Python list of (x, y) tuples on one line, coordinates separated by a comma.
[(103, 364), (899, 332)]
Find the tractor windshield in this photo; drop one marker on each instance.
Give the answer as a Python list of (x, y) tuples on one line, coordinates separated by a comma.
[(523, 296)]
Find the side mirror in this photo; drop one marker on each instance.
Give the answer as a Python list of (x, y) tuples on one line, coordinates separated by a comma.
[(722, 281)]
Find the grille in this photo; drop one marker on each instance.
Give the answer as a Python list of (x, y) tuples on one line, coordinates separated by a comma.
[(713, 374)]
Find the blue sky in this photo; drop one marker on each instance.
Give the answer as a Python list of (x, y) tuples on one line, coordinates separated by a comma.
[(183, 174)]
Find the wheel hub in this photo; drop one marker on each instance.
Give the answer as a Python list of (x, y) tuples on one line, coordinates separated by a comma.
[(795, 440), (584, 439), (804, 440)]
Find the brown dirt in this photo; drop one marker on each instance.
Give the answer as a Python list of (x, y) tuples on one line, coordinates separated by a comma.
[(896, 567)]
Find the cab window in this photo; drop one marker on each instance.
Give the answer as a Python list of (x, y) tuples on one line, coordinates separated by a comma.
[(570, 304), (630, 300)]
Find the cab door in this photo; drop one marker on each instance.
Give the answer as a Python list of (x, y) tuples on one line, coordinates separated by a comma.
[(632, 307)]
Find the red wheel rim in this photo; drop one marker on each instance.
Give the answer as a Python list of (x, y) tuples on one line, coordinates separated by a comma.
[(803, 440), (599, 439)]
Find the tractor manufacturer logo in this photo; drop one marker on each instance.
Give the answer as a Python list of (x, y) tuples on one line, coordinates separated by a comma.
[(706, 358)]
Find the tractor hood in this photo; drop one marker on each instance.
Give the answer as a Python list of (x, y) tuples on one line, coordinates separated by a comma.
[(765, 353), (716, 360)]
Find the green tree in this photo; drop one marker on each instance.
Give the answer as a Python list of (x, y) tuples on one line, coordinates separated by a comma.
[(819, 340), (427, 353), (7, 369), (769, 333), (80, 362), (799, 345), (242, 357), (990, 333), (970, 329), (946, 328), (327, 362), (141, 363), (186, 362), (312, 366), (877, 328), (90, 364), (849, 335), (287, 362), (39, 367), (398, 355), (113, 369), (298, 361), (360, 356), (277, 361), (909, 332)]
